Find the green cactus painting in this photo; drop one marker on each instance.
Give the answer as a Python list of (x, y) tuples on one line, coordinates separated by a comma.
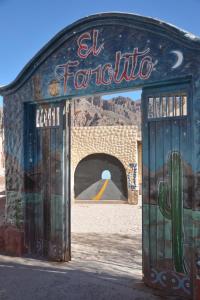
[(170, 194)]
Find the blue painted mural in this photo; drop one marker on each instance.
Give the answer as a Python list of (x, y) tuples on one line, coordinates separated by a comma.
[(102, 54), (94, 62)]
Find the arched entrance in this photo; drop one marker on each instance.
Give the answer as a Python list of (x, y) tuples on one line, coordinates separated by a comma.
[(100, 177), (102, 54)]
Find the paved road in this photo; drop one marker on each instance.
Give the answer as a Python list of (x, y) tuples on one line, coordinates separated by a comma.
[(102, 189)]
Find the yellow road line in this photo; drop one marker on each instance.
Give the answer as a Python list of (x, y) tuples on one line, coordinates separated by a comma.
[(102, 190)]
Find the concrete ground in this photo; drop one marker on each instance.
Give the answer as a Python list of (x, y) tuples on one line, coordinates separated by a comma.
[(106, 261)]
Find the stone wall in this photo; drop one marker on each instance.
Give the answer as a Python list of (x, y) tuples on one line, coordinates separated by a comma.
[(118, 141), (14, 173)]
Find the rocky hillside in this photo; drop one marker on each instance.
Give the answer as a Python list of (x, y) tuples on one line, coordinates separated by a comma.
[(95, 111)]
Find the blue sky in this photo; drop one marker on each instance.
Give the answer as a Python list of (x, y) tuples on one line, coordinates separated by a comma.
[(27, 25), (133, 95)]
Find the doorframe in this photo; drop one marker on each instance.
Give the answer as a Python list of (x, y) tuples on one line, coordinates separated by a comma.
[(66, 159), (169, 84), (185, 84)]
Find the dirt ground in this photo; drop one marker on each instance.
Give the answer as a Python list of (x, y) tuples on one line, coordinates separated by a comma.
[(106, 261)]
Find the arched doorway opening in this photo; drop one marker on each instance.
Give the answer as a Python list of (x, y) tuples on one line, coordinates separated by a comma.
[(100, 177)]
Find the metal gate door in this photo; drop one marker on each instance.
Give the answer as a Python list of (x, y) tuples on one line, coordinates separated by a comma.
[(167, 188), (47, 182)]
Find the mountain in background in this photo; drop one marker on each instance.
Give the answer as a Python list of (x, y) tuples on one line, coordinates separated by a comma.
[(96, 111)]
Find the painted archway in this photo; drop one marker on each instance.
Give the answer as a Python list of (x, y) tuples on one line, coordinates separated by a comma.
[(111, 140), (100, 177)]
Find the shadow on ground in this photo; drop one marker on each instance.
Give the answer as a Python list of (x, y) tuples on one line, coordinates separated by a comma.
[(103, 267), (33, 279), (116, 250)]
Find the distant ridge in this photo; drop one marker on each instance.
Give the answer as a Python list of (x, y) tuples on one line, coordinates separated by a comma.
[(95, 111)]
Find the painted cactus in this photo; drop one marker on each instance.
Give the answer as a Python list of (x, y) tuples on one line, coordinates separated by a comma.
[(170, 202)]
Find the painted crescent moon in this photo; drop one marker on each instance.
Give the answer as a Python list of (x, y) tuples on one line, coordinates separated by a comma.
[(179, 58)]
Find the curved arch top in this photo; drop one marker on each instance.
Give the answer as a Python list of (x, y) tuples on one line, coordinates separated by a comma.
[(115, 32)]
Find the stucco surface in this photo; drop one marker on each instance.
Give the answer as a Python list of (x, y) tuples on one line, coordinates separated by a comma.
[(118, 141)]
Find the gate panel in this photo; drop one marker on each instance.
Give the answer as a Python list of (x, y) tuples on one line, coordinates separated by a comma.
[(167, 189), (47, 184)]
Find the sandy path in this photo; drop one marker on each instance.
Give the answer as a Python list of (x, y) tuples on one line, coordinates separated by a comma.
[(107, 239), (109, 235)]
